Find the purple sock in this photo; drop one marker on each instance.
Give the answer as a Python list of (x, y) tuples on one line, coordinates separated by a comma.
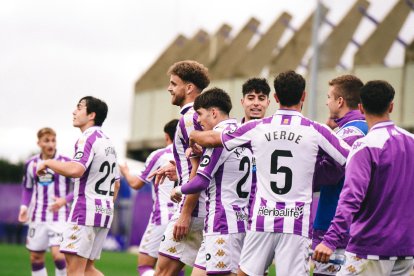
[(181, 273), (60, 264), (142, 268), (37, 266)]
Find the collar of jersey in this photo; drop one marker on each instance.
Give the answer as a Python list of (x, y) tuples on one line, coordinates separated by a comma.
[(382, 124), (226, 122), (288, 112), (185, 108), (91, 129)]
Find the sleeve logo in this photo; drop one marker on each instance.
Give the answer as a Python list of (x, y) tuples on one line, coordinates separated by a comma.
[(78, 155), (205, 161)]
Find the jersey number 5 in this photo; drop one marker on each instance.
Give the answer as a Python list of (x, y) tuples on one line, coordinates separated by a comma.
[(107, 168), (275, 170)]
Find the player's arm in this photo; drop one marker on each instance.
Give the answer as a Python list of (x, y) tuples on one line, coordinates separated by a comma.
[(117, 186), (27, 192), (68, 169), (133, 181), (357, 179), (182, 226), (206, 139)]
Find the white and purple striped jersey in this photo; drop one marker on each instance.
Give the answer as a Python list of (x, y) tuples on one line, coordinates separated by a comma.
[(163, 208), (94, 190), (285, 147), (187, 123), (376, 202), (230, 176), (39, 191)]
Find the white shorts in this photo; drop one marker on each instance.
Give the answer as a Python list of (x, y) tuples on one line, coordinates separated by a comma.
[(185, 250), (357, 266), (328, 268), (150, 242), (221, 253), (42, 235), (84, 241), (290, 251)]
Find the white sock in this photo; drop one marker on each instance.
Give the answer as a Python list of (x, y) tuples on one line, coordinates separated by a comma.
[(60, 272), (41, 272), (149, 272)]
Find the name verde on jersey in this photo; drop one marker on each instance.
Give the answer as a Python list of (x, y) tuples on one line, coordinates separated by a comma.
[(94, 191)]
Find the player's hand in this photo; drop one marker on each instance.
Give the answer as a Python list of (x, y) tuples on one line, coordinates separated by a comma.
[(197, 150), (168, 170), (181, 227), (124, 169), (322, 253), (176, 195), (23, 214), (171, 171), (41, 169), (59, 202)]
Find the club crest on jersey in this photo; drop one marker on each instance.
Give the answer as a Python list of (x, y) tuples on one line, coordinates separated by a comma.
[(46, 179), (205, 161), (78, 155)]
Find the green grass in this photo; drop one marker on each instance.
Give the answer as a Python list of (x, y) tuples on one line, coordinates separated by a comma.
[(14, 261)]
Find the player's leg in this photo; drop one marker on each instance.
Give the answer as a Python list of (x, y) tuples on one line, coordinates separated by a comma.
[(75, 265), (59, 259), (37, 260), (257, 253), (292, 255), (37, 244), (167, 266), (91, 270), (148, 249), (55, 230), (146, 264)]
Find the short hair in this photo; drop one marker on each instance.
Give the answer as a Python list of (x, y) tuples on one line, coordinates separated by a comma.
[(348, 87), (289, 87), (256, 85), (376, 96), (214, 97), (170, 128), (45, 131), (191, 71), (98, 106)]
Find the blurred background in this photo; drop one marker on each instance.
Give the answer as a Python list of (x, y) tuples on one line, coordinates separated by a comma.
[(53, 53)]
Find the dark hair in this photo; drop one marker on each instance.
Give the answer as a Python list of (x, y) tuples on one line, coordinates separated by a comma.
[(170, 128), (376, 96), (191, 71), (96, 105), (214, 97), (289, 87), (348, 87), (256, 85)]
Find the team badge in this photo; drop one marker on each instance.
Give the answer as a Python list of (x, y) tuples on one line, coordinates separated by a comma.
[(221, 265), (172, 249), (46, 180), (78, 155), (220, 241), (205, 160), (220, 253)]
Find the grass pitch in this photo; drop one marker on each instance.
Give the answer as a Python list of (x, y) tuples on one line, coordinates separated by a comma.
[(14, 261)]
